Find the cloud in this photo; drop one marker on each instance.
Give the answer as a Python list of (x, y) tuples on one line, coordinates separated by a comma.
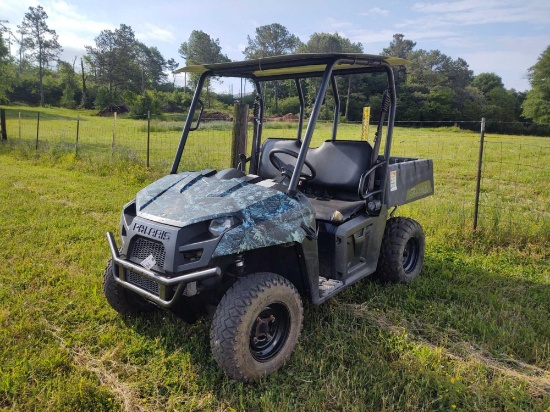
[(509, 65), (335, 24), (152, 32), (75, 30), (11, 8), (511, 58), (371, 36), (475, 12), (376, 11), (386, 36)]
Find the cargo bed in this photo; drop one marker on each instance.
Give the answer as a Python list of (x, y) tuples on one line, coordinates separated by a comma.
[(409, 179)]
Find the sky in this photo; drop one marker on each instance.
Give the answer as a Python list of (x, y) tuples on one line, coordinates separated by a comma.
[(505, 37)]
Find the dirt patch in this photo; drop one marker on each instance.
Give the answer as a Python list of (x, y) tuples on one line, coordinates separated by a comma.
[(215, 116), (112, 109)]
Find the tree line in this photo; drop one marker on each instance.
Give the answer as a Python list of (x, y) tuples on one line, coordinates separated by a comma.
[(119, 69)]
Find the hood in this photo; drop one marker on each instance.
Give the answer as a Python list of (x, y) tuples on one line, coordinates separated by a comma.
[(186, 198)]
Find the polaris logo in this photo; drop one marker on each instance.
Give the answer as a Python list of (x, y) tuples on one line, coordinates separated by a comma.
[(151, 231)]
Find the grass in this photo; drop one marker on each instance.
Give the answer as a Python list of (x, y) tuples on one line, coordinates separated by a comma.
[(471, 333)]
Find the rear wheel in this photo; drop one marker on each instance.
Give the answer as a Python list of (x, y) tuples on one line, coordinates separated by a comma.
[(256, 326), (123, 300), (402, 251)]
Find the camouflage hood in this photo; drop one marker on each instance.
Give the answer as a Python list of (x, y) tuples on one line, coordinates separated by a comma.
[(268, 216)]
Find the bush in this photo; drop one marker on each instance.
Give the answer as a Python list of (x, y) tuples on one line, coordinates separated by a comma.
[(289, 105), (147, 102), (103, 98)]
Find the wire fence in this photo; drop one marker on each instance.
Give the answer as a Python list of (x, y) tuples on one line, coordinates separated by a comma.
[(514, 187)]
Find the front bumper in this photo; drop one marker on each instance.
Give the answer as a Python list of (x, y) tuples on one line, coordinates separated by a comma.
[(170, 288)]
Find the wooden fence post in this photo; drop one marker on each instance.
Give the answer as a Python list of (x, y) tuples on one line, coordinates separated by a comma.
[(37, 128), (114, 135), (240, 133), (77, 134), (3, 124)]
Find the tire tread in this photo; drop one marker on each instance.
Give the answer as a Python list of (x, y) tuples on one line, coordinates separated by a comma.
[(229, 316), (396, 235)]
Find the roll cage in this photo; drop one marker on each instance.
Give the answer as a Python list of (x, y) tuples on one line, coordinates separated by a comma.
[(297, 67)]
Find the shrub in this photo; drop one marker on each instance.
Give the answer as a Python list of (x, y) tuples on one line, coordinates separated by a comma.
[(289, 105), (147, 102)]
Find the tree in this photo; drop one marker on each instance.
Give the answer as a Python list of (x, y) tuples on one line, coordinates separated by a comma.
[(148, 101), (69, 82), (152, 66), (402, 48), (271, 40), (202, 49), (399, 47), (114, 62), (7, 71), (498, 104), (537, 103), (123, 67), (172, 65), (485, 82), (435, 86), (40, 40)]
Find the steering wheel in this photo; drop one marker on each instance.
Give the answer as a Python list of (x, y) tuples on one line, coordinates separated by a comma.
[(288, 169)]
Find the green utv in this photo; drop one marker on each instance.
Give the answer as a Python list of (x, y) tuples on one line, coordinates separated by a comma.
[(290, 223)]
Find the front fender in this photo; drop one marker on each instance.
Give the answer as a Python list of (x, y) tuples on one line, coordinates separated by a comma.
[(269, 222)]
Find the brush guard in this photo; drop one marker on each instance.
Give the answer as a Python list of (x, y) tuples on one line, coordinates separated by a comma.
[(170, 289)]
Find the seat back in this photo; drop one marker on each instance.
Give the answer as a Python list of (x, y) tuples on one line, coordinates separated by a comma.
[(339, 165)]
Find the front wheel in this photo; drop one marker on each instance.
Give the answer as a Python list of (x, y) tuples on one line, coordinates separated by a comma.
[(256, 326), (402, 251)]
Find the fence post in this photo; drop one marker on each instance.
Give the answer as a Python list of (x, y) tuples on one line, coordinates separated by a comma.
[(240, 132), (77, 133), (479, 168), (114, 135), (148, 134), (19, 125), (37, 128), (3, 124)]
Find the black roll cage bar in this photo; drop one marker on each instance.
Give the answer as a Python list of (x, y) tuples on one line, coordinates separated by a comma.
[(327, 76)]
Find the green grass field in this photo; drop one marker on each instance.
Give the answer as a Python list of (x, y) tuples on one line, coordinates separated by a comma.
[(515, 190), (471, 333)]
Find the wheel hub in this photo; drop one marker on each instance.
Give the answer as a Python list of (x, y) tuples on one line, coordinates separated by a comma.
[(410, 254), (269, 332), (263, 329)]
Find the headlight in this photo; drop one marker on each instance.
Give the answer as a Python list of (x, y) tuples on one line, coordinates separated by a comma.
[(221, 225)]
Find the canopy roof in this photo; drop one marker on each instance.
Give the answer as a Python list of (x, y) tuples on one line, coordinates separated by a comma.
[(296, 65)]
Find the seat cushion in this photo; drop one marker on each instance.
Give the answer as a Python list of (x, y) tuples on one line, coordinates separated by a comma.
[(325, 209)]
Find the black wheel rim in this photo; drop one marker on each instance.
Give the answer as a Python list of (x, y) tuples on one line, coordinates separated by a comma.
[(410, 255), (269, 332)]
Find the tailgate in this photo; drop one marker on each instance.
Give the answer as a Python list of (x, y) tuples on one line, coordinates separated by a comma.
[(408, 180)]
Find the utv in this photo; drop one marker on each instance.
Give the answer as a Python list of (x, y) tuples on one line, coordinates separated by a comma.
[(290, 223)]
